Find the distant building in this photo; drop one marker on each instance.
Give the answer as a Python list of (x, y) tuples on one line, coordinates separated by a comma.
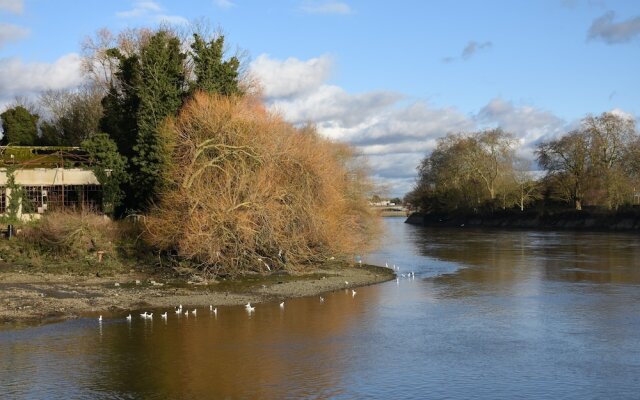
[(53, 178)]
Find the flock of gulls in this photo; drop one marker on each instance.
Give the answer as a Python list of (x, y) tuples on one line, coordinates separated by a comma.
[(179, 311)]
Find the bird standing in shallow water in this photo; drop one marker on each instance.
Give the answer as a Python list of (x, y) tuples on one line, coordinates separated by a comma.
[(129, 317), (282, 304), (321, 299), (100, 318), (144, 315), (353, 293), (164, 316)]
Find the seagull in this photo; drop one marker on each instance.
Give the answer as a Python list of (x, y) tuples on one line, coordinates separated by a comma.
[(386, 265), (144, 315), (210, 307), (194, 311), (321, 299), (100, 318), (215, 311), (164, 316), (129, 317), (178, 310), (353, 293), (250, 309), (150, 316), (282, 304), (346, 283)]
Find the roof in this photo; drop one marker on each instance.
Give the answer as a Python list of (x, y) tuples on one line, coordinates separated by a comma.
[(43, 157)]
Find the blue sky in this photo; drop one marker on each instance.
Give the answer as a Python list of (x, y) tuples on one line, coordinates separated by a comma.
[(389, 77)]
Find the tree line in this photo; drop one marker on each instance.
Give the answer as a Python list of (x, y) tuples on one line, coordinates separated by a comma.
[(597, 164), (136, 79), (181, 137)]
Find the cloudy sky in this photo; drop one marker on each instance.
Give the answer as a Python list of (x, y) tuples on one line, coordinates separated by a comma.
[(388, 77)]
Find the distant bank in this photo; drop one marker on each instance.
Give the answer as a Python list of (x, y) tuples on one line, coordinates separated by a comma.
[(566, 220)]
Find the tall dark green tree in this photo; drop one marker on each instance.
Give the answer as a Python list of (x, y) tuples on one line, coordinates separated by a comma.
[(20, 127), (109, 167), (120, 105), (213, 73), (160, 90)]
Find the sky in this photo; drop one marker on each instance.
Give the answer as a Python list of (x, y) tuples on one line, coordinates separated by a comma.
[(389, 77)]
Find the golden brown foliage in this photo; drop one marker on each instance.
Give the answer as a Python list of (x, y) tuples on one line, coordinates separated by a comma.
[(73, 233), (251, 192)]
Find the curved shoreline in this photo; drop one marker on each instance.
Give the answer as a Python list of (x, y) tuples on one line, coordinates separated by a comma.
[(47, 297)]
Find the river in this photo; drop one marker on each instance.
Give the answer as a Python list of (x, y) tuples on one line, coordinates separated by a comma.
[(488, 315)]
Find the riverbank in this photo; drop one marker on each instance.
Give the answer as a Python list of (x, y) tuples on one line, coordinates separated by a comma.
[(566, 220), (27, 297)]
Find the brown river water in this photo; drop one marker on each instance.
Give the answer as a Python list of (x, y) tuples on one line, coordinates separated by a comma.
[(489, 315)]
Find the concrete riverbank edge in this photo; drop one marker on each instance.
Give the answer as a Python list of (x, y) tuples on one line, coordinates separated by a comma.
[(32, 298)]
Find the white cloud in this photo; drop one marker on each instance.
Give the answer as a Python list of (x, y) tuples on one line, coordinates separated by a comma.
[(150, 10), (224, 4), (11, 33), (23, 79), (14, 6), (290, 77), (392, 133), (141, 8), (614, 32), (325, 7)]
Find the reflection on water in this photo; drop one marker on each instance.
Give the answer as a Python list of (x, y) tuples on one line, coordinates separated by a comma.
[(499, 314)]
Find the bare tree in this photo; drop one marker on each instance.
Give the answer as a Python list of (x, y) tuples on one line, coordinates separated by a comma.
[(567, 162)]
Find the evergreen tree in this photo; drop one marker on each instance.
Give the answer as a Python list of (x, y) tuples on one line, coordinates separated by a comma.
[(160, 91), (120, 105), (109, 167), (213, 74), (19, 126)]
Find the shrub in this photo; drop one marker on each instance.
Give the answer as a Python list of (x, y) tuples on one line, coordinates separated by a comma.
[(73, 234), (249, 191)]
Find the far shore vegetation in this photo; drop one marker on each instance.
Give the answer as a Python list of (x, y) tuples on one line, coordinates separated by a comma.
[(595, 167), (195, 172)]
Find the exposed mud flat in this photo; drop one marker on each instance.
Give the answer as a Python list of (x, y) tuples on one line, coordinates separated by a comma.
[(43, 297)]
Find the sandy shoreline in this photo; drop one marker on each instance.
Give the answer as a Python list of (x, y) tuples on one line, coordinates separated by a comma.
[(44, 297)]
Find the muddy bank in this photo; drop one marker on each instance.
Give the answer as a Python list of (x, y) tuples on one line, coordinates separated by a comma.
[(43, 297)]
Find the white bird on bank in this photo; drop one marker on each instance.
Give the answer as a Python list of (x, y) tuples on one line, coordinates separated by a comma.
[(129, 317), (346, 283), (353, 293), (386, 265)]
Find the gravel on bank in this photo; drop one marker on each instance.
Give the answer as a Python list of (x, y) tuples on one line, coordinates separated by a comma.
[(45, 297)]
